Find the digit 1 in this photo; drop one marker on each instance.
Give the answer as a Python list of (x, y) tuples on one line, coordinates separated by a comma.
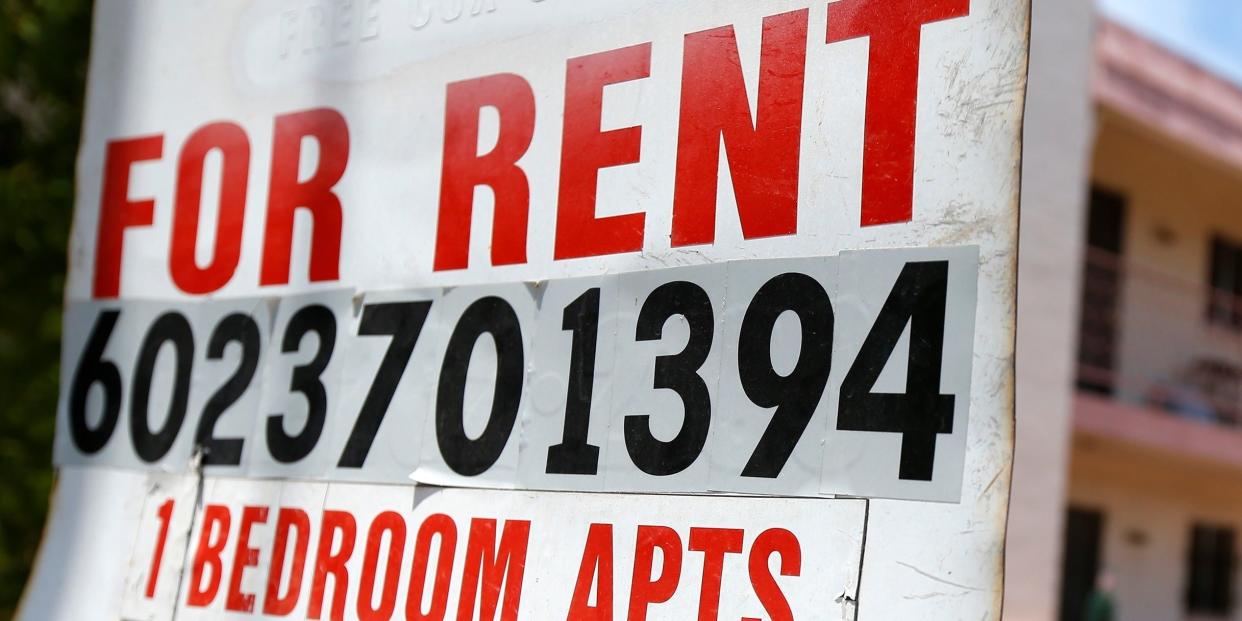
[(918, 298), (574, 455), (165, 515)]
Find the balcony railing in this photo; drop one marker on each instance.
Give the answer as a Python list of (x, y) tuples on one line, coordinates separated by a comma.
[(1151, 336)]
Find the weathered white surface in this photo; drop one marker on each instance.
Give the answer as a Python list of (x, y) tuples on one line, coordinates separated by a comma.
[(170, 68), (80, 571), (1057, 136)]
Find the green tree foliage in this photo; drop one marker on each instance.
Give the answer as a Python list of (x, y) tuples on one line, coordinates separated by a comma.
[(43, 58)]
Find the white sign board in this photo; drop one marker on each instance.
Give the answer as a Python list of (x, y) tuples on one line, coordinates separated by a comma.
[(540, 309)]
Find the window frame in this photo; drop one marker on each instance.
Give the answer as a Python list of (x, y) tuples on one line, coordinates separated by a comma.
[(1224, 282), (1211, 570)]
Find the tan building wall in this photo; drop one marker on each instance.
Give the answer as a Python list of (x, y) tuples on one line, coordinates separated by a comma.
[(1177, 200), (1151, 474), (1057, 137), (1150, 503)]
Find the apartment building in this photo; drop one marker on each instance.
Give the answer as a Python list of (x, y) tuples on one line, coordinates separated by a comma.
[(1129, 466)]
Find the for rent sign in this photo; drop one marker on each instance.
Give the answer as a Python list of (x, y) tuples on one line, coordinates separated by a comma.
[(539, 309)]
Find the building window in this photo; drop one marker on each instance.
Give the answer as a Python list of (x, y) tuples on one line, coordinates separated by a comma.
[(1211, 571), (1101, 291), (1080, 563), (1225, 279)]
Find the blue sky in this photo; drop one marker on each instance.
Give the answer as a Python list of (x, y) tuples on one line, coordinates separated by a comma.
[(1209, 32)]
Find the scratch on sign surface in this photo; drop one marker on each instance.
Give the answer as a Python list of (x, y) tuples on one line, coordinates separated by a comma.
[(936, 578)]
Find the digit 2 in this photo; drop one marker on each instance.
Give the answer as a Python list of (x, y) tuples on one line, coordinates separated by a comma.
[(235, 328)]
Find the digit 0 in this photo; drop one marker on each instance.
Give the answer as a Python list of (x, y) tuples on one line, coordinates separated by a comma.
[(465, 455), (173, 329)]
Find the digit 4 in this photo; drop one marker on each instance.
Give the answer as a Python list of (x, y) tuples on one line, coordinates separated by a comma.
[(918, 299)]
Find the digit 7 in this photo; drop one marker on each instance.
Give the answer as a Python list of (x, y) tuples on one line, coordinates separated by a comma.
[(918, 298), (403, 321)]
